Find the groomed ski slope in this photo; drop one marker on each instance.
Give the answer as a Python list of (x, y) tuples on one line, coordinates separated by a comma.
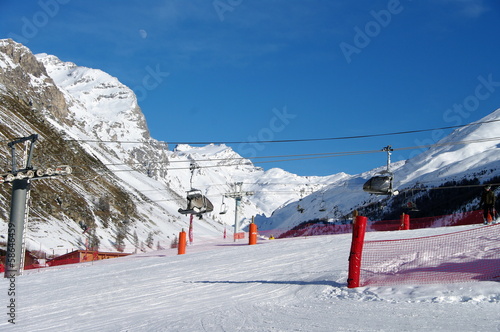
[(278, 285)]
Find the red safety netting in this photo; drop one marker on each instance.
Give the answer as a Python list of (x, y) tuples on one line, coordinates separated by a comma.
[(456, 219), (316, 229), (324, 228), (471, 255)]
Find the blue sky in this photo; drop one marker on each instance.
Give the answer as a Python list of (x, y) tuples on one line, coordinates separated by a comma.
[(257, 70)]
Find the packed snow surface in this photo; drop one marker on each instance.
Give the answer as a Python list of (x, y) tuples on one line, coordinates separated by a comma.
[(220, 285)]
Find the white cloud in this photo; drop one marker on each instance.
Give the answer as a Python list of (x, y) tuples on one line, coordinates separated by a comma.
[(469, 8)]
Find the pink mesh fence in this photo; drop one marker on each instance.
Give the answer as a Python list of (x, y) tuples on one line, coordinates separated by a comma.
[(470, 255), (324, 228), (456, 219), (409, 254), (310, 230)]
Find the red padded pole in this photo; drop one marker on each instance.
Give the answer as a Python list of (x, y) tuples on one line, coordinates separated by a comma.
[(358, 238), (406, 222)]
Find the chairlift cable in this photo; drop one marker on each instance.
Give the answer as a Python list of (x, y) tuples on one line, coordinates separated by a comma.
[(296, 140), (291, 157), (285, 157)]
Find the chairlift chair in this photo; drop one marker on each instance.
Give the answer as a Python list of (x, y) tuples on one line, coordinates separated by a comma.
[(223, 208), (380, 184), (300, 208), (322, 207), (410, 203), (197, 203), (412, 206)]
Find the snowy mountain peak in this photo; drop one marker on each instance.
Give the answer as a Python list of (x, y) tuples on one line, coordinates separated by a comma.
[(211, 149), (98, 102)]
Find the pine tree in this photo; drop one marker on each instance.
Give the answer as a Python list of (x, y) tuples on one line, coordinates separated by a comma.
[(121, 234), (150, 240)]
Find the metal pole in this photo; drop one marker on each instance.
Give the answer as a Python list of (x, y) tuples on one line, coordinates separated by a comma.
[(237, 195), (14, 257), (388, 149), (14, 261), (236, 217)]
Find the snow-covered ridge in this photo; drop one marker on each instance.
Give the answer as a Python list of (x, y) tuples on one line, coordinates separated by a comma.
[(470, 152), (106, 107)]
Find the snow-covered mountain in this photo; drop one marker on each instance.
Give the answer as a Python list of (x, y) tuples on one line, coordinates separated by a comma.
[(123, 178), (126, 182), (468, 156)]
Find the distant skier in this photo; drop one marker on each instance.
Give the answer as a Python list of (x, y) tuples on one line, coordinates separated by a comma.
[(488, 204)]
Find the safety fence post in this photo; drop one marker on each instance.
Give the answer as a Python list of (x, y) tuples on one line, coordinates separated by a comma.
[(252, 236), (405, 222), (358, 237), (181, 247)]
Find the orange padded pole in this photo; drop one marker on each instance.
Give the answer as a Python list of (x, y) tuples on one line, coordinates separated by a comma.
[(181, 247), (252, 236)]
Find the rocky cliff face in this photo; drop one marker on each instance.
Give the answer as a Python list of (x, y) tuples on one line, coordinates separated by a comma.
[(32, 84)]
